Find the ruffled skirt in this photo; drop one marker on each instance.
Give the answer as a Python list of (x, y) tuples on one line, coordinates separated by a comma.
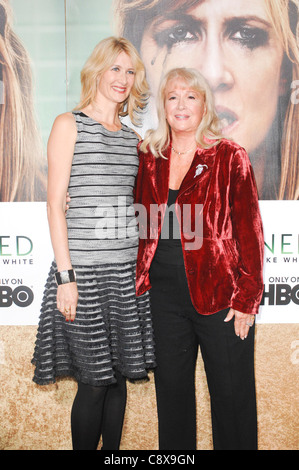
[(112, 329)]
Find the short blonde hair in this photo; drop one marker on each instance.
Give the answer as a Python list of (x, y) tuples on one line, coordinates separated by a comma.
[(209, 129), (102, 57)]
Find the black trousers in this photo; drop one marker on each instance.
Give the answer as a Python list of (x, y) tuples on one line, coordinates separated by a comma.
[(228, 360)]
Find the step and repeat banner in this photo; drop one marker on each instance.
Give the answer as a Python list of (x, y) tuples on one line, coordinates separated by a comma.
[(248, 51)]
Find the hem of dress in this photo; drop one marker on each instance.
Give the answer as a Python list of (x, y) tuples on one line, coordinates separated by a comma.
[(69, 374)]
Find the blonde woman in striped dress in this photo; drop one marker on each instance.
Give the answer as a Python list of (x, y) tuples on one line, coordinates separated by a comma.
[(92, 327)]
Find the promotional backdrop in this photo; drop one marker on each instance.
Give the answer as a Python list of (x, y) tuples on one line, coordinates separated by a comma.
[(59, 35)]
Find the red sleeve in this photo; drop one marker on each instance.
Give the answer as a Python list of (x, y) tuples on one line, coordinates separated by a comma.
[(248, 233)]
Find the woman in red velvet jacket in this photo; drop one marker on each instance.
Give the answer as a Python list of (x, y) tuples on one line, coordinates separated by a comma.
[(201, 257)]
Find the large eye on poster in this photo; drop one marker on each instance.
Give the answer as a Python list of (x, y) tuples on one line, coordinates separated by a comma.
[(248, 52)]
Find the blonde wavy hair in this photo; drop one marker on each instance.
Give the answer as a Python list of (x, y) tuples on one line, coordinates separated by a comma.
[(133, 16), (208, 132), (22, 166), (102, 57), (285, 19)]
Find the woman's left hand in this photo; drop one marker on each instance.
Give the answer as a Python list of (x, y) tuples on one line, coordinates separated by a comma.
[(67, 200), (243, 321)]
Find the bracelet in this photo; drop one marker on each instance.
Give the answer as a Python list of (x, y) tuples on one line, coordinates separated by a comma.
[(65, 277)]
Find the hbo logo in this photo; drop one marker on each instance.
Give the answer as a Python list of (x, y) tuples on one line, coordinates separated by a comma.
[(22, 296)]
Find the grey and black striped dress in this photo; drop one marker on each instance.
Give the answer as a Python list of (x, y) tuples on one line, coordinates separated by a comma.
[(113, 327)]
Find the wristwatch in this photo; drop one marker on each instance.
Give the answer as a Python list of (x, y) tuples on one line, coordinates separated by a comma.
[(65, 277)]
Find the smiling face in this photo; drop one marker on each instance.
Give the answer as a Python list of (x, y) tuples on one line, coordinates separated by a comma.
[(184, 107), (116, 83), (233, 44)]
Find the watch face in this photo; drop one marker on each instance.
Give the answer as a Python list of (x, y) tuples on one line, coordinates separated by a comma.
[(65, 278)]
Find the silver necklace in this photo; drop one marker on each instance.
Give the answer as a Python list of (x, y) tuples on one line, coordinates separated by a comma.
[(182, 153)]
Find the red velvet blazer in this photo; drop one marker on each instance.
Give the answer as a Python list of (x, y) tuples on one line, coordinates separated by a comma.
[(224, 263)]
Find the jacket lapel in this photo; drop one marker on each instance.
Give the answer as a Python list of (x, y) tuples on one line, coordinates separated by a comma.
[(200, 172)]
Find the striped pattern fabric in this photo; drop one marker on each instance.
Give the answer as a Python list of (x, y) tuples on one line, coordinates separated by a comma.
[(101, 219), (112, 330)]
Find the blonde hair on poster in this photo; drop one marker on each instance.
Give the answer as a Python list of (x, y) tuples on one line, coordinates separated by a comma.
[(22, 169)]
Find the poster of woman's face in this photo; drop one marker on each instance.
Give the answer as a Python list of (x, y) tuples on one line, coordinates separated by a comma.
[(248, 52)]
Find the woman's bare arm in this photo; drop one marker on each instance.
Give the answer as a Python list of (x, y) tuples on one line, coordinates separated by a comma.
[(60, 156)]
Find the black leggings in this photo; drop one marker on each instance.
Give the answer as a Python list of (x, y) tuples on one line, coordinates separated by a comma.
[(96, 412)]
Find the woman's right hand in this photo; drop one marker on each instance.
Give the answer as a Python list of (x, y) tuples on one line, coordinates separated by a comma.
[(67, 300)]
